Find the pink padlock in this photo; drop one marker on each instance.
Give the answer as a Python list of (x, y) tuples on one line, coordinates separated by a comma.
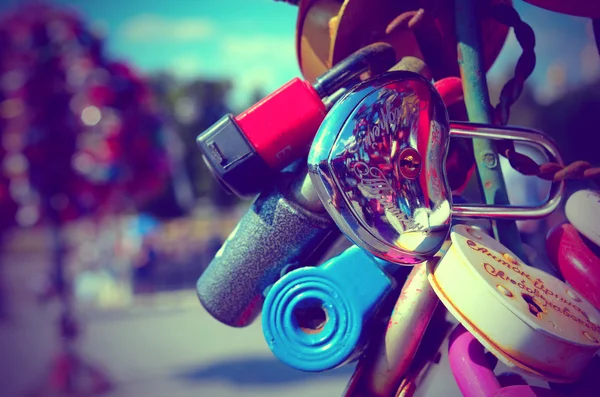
[(578, 264), (473, 372)]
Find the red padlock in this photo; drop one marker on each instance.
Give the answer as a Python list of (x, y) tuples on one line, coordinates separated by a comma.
[(474, 374), (578, 264), (277, 133), (244, 152)]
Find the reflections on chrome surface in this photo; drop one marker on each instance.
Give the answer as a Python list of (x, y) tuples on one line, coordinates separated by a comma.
[(403, 220)]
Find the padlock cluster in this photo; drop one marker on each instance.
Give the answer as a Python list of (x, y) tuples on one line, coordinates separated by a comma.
[(359, 160)]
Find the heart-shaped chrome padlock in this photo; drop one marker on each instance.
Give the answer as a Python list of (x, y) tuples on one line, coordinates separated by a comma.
[(377, 164)]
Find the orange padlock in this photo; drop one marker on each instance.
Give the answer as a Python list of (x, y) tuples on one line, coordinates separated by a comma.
[(328, 31), (578, 8)]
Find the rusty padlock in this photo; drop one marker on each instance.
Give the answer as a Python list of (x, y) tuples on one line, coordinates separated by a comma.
[(388, 368), (383, 369), (529, 320), (474, 374), (377, 164), (328, 31)]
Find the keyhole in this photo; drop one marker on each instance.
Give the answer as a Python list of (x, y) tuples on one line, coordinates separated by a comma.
[(410, 163), (534, 308), (310, 316)]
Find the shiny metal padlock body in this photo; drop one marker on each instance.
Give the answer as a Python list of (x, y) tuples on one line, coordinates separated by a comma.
[(377, 163)]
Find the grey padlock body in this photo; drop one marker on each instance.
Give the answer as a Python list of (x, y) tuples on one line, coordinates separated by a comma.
[(274, 233)]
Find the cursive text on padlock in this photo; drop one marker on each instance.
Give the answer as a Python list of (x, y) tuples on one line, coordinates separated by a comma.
[(432, 174), (537, 283), (389, 118), (492, 271), (533, 286), (373, 184)]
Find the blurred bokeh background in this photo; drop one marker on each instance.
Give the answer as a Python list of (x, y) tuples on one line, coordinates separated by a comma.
[(109, 215)]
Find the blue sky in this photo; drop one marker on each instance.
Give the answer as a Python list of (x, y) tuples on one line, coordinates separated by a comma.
[(252, 41)]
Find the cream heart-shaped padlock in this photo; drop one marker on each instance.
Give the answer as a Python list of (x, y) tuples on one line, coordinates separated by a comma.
[(527, 318)]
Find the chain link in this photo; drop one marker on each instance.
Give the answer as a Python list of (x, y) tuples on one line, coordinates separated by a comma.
[(526, 37), (511, 92)]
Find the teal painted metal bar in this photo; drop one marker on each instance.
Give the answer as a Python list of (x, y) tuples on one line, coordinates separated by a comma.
[(479, 110)]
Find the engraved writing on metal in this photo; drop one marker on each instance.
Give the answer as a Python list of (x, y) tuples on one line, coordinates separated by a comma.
[(534, 286), (389, 117), (377, 172), (432, 175), (373, 184)]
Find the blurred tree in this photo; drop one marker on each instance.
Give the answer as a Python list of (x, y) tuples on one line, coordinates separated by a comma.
[(573, 121), (524, 111), (200, 105), (81, 136), (257, 95), (178, 199), (194, 107), (8, 206)]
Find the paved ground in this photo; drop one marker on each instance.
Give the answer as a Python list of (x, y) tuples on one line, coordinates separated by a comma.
[(170, 352), (175, 349)]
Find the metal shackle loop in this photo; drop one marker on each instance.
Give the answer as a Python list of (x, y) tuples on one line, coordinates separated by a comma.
[(375, 58), (515, 134)]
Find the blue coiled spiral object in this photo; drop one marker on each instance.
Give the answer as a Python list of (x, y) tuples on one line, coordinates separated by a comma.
[(318, 318)]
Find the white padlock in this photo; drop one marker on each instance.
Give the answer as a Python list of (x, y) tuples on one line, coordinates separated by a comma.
[(583, 212), (527, 318)]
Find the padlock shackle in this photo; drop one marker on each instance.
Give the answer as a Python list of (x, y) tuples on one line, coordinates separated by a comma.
[(483, 131), (375, 58), (470, 367)]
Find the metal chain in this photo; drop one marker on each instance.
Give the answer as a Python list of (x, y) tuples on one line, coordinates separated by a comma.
[(526, 37), (512, 90)]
